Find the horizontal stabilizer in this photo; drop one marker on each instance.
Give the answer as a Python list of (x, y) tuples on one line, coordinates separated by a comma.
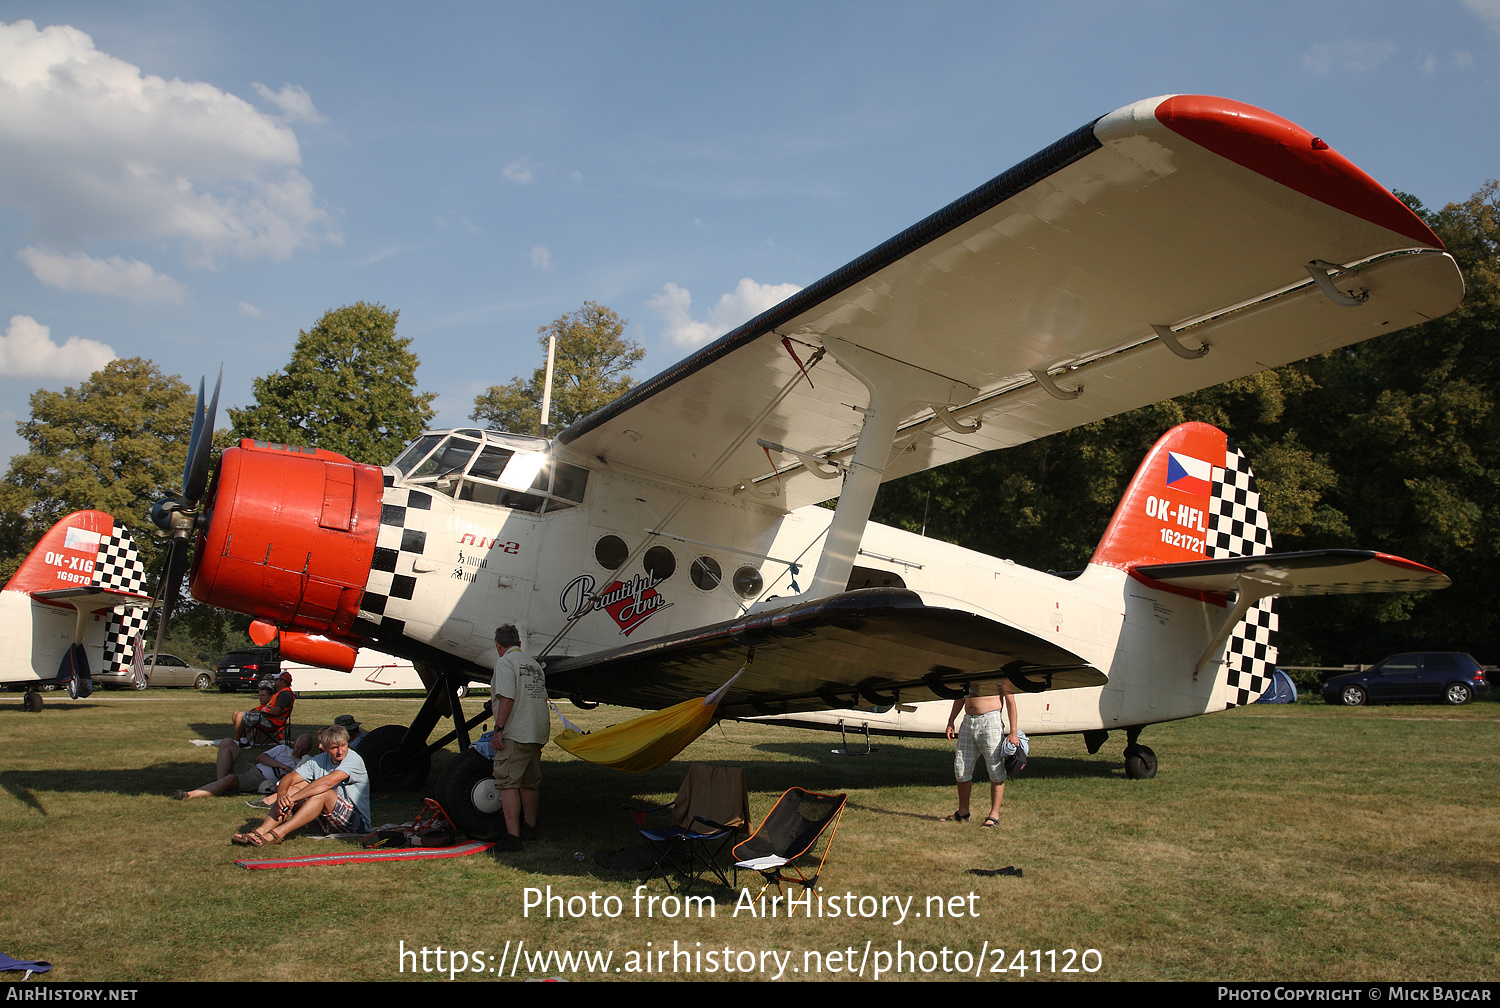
[(94, 599), (860, 647), (1314, 572)]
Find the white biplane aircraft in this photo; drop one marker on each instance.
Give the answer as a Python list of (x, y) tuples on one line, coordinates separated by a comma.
[(73, 607), (661, 543)]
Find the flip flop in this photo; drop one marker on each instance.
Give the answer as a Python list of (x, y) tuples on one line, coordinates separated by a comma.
[(957, 817)]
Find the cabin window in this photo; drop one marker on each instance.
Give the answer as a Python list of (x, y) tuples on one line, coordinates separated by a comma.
[(706, 573), (611, 552), (748, 582), (470, 465), (660, 563)]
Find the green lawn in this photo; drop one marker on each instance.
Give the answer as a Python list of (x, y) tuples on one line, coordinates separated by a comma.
[(1276, 844)]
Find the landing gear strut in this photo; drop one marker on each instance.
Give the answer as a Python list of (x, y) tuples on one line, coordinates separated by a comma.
[(399, 759), (1140, 761)]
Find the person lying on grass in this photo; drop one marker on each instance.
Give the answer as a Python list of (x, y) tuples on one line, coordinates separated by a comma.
[(332, 789), (268, 768)]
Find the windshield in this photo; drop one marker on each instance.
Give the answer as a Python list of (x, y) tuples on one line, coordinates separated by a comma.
[(488, 467)]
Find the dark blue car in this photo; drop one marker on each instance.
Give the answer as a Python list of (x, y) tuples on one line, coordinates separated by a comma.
[(1450, 676)]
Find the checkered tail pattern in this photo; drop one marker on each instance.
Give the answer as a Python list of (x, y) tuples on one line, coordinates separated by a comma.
[(118, 566), (1238, 527)]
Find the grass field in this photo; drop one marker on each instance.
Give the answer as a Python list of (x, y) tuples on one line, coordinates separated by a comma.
[(1276, 844)]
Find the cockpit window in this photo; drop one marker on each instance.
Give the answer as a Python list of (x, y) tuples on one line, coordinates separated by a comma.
[(492, 468), (416, 452)]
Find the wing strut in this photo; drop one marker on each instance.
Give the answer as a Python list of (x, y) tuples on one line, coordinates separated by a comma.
[(892, 384)]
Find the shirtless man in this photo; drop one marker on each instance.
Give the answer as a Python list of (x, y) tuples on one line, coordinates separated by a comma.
[(988, 712)]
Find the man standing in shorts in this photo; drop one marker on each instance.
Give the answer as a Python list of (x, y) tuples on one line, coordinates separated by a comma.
[(518, 692), (989, 720)]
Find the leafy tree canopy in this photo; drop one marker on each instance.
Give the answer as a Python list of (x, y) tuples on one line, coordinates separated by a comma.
[(590, 368), (113, 443), (350, 387)]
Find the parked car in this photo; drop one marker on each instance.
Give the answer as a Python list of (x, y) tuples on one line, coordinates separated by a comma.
[(160, 670), (1450, 676), (244, 668)]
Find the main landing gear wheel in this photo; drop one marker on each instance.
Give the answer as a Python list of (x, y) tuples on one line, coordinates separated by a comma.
[(33, 701), (1140, 762), (378, 748), (1353, 696), (468, 794)]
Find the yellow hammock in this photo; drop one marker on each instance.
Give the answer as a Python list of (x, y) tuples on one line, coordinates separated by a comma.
[(646, 742)]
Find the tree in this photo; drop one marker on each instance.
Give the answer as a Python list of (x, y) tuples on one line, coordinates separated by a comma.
[(589, 369), (350, 387), (113, 444)]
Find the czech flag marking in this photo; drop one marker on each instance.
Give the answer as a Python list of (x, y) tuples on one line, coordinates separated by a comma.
[(1188, 474)]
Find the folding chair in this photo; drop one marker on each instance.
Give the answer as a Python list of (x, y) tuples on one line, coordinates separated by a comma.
[(711, 809), (782, 846)]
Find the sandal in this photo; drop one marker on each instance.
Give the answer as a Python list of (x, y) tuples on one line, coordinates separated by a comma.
[(957, 817), (990, 822), (245, 839)]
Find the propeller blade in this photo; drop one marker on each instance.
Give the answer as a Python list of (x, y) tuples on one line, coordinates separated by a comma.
[(176, 567), (200, 445)]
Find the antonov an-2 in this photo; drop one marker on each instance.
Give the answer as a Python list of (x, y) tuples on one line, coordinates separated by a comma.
[(653, 548)]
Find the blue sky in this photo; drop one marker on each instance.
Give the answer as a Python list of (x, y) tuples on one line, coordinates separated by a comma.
[(195, 183)]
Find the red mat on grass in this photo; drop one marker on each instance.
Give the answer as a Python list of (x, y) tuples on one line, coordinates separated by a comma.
[(362, 856)]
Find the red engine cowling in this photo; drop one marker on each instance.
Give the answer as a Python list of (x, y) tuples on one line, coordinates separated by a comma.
[(290, 536)]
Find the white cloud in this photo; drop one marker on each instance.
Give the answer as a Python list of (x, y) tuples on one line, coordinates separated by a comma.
[(520, 172), (747, 300), (1487, 11), (95, 149), (540, 257), (27, 351), (295, 104), (1346, 56), (126, 278), (249, 310), (1456, 60)]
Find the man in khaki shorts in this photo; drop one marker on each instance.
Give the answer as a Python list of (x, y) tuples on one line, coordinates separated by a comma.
[(989, 720), (518, 693)]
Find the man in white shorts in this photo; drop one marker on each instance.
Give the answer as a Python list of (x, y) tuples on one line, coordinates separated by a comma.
[(989, 721)]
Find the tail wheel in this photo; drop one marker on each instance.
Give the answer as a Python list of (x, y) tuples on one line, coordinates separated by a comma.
[(33, 701), (378, 748), (468, 794), (1140, 762)]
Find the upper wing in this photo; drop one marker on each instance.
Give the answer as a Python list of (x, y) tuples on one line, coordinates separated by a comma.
[(875, 645), (1105, 261), (1315, 572)]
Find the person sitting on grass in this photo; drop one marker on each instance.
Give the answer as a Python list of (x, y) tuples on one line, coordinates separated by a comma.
[(269, 767), (331, 789)]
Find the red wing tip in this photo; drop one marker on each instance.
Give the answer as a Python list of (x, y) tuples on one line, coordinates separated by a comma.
[(1284, 152)]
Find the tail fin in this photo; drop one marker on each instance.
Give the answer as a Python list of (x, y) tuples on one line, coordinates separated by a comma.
[(1194, 498), (89, 549)]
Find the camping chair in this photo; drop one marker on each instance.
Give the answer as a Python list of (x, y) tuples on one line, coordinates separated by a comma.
[(782, 846), (711, 809)]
